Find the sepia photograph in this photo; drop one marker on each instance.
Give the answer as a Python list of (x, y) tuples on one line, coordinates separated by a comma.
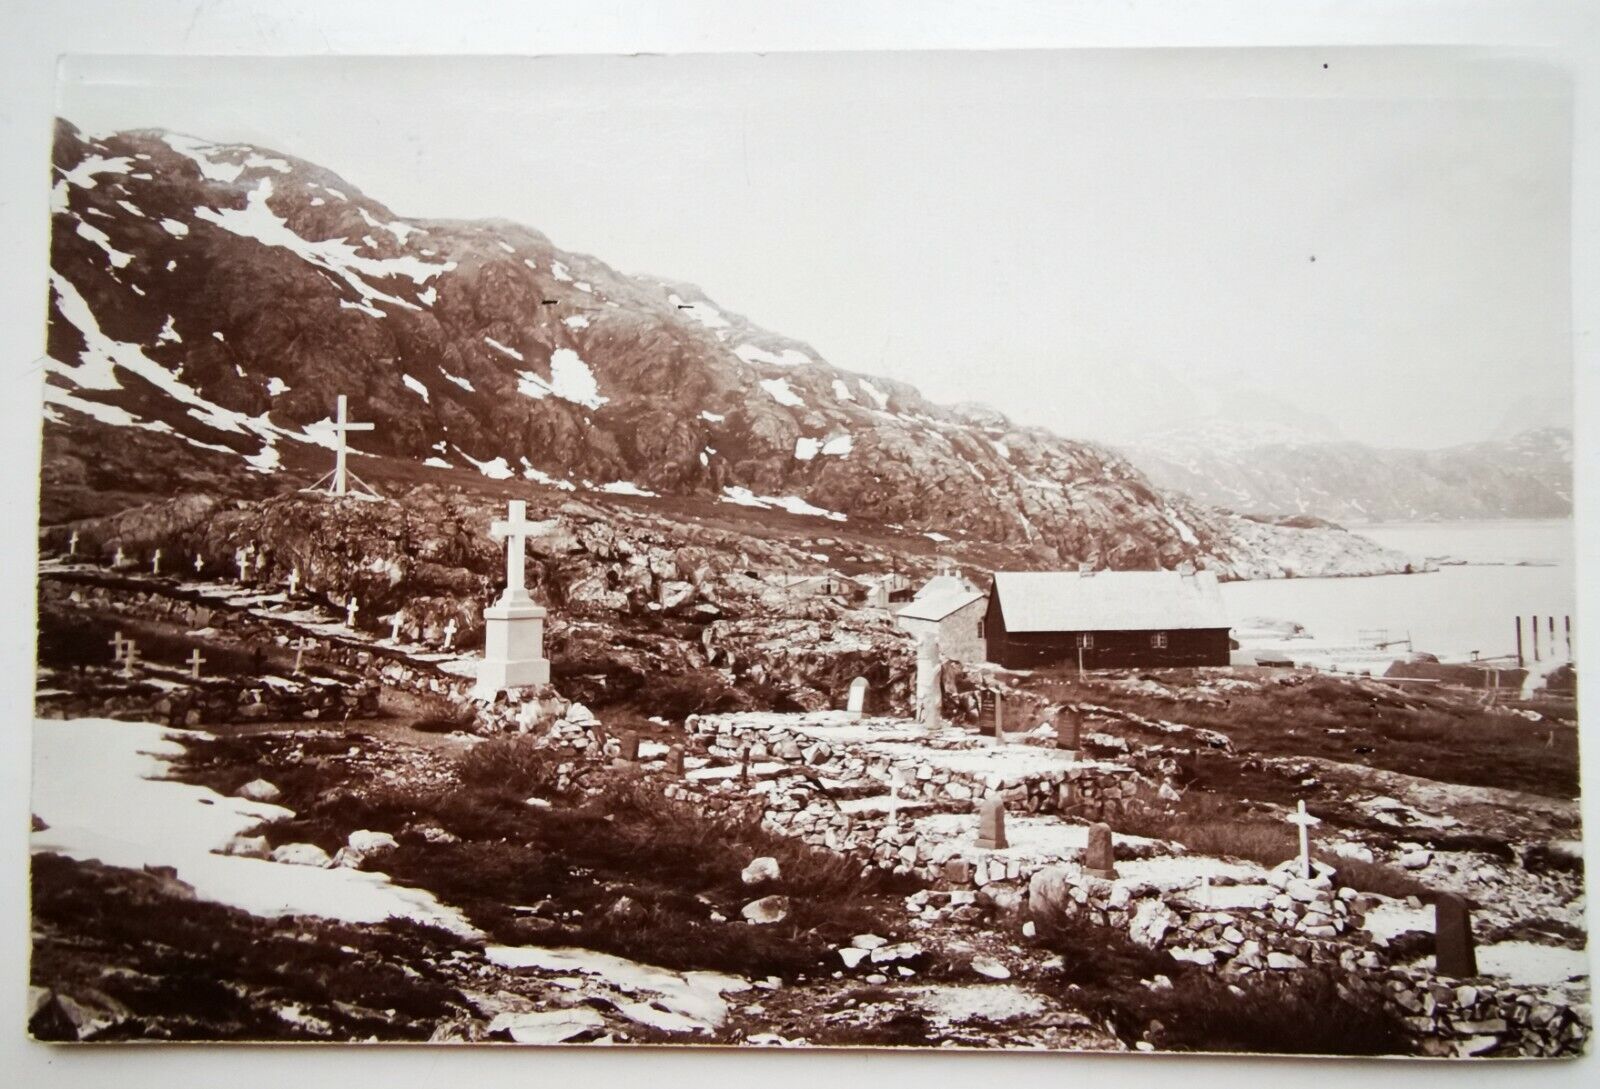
[(1032, 550)]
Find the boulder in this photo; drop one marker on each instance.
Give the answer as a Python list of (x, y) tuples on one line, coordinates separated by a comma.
[(1050, 894), (302, 854), (259, 790), (768, 909), (760, 871), (247, 847)]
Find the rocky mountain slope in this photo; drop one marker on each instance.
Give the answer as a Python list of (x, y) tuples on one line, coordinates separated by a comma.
[(1526, 476), (209, 302)]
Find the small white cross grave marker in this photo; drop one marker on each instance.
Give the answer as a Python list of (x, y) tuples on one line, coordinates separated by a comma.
[(449, 632), (242, 557), (195, 662), (394, 626), (119, 559), (199, 564), (350, 610), (301, 645), (72, 544), (294, 581), (1304, 820), (155, 563), (117, 645), (130, 658)]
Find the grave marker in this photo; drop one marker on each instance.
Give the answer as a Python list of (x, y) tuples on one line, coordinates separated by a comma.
[(72, 544), (118, 644), (513, 635), (350, 610), (628, 747), (301, 645), (199, 564), (1304, 821), (155, 562), (130, 659), (992, 824), (394, 626), (928, 694), (195, 662), (449, 632), (1067, 730), (339, 480), (294, 582), (857, 701), (675, 761), (119, 559), (1454, 953), (1099, 857)]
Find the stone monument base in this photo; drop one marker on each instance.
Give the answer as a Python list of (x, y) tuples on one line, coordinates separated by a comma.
[(513, 648)]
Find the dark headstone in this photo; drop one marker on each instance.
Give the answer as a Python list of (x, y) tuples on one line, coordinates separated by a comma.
[(1454, 953), (1067, 730), (958, 871), (992, 824), (628, 749), (675, 761), (1099, 859)]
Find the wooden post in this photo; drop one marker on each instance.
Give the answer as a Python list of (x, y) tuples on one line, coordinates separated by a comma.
[(1520, 662), (1533, 630), (1568, 623)]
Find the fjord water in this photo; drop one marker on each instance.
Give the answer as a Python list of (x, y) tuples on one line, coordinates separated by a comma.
[(1511, 568)]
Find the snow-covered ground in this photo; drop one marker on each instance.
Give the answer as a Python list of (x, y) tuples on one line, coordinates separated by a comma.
[(99, 786)]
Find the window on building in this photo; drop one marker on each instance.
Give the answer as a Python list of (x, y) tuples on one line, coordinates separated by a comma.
[(1086, 640), (1158, 640), (980, 629)]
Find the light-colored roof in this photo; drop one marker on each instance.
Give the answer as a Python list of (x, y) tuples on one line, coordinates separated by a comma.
[(1035, 601), (944, 584), (938, 605)]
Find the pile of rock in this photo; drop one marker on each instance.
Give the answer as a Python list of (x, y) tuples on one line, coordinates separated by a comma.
[(1460, 1018)]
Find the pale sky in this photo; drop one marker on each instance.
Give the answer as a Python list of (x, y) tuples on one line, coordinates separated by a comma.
[(1104, 243)]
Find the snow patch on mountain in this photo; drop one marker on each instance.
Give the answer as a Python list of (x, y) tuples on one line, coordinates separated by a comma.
[(790, 357), (258, 221), (778, 389)]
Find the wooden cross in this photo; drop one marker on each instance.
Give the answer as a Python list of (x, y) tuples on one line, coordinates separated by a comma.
[(195, 662), (118, 560), (449, 632), (514, 529), (1304, 820), (130, 658), (342, 426), (155, 563), (394, 626), (117, 644), (242, 557), (72, 544), (199, 564), (294, 581), (300, 647), (350, 610)]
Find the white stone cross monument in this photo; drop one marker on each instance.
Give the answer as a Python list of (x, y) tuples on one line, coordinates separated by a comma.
[(513, 635), (350, 610), (72, 544), (195, 662), (338, 481), (1304, 820), (155, 563), (395, 620), (449, 633)]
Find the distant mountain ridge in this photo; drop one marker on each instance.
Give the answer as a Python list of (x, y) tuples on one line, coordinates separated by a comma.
[(1526, 476), (214, 299)]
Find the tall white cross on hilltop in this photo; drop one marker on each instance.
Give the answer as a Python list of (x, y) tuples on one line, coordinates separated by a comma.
[(515, 530), (338, 481)]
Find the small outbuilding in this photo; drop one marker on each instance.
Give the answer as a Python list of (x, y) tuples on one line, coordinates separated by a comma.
[(953, 609), (1106, 619)]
